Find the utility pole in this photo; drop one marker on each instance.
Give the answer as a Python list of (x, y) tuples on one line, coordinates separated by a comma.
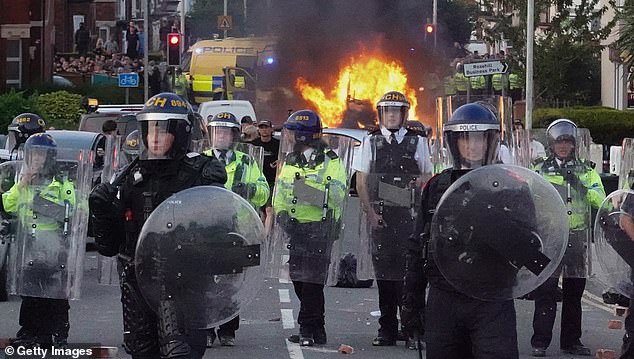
[(146, 50), (183, 12), (225, 14), (530, 34), (434, 19)]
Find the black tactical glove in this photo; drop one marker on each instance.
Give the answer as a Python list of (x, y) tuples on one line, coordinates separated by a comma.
[(244, 190), (101, 199), (575, 182)]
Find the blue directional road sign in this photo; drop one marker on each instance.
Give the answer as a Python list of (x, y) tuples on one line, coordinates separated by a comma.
[(129, 80)]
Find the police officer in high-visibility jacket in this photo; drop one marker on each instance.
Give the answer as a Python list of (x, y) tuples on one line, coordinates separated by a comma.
[(310, 193), (580, 187), (244, 177), (43, 320)]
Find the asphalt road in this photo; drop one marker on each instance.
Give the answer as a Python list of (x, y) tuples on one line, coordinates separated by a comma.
[(351, 318)]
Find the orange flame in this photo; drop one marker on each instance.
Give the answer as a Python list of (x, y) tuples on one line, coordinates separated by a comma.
[(366, 77)]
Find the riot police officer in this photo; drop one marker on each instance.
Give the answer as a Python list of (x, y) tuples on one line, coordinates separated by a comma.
[(580, 187), (394, 160), (456, 325), (310, 192), (21, 128), (43, 320), (164, 168), (244, 178)]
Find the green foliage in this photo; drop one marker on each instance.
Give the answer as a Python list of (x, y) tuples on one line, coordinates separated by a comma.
[(456, 19), (201, 20), (567, 54), (60, 109), (607, 126), (625, 44), (13, 103)]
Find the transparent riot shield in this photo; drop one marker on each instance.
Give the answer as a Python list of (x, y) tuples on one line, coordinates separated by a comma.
[(498, 232), (626, 171), (614, 242), (311, 191), (113, 161), (8, 174), (244, 174), (198, 257), (49, 202), (112, 158), (390, 187), (513, 143), (569, 175)]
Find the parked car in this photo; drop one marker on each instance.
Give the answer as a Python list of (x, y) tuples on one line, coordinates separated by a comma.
[(124, 115)]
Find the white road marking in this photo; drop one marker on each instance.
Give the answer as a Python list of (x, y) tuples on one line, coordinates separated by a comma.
[(285, 296), (294, 350), (287, 319)]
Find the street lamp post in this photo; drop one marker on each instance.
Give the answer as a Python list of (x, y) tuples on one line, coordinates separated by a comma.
[(530, 34)]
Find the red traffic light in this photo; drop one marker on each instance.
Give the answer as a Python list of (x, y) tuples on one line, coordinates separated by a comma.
[(173, 39), (429, 28)]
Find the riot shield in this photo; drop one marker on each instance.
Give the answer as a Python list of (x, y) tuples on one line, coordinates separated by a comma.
[(309, 201), (568, 177), (391, 184), (513, 143), (613, 242), (49, 203), (499, 232), (198, 257), (113, 161), (244, 174), (8, 173)]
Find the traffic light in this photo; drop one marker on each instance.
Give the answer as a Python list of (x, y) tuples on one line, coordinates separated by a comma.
[(174, 49), (429, 30)]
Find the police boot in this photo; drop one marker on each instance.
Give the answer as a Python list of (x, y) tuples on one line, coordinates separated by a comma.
[(306, 337), (319, 335), (24, 338), (577, 349)]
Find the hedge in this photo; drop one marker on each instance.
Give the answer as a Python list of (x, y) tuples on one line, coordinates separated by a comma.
[(607, 126), (60, 109)]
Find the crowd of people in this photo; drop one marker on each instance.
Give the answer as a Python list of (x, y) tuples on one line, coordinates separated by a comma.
[(97, 64)]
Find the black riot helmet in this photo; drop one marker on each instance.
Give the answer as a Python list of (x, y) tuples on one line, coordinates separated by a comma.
[(393, 103), (473, 135), (23, 126), (224, 131), (165, 126), (40, 154), (564, 132), (130, 147)]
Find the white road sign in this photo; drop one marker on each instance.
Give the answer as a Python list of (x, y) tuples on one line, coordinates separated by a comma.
[(484, 68)]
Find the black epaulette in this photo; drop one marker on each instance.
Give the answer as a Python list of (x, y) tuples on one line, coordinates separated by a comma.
[(539, 161), (332, 154), (291, 159), (195, 160), (589, 164)]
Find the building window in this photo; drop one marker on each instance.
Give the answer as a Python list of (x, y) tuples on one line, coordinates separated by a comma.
[(14, 63)]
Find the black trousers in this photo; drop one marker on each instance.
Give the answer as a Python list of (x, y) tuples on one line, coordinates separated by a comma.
[(546, 310), (461, 327), (311, 305), (44, 316), (627, 351), (390, 297), (229, 328), (147, 336)]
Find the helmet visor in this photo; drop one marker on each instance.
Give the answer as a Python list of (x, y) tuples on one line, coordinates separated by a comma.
[(37, 158), (473, 149), (223, 138), (392, 117), (163, 135)]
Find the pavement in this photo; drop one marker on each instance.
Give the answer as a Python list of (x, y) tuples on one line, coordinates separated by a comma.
[(351, 319)]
